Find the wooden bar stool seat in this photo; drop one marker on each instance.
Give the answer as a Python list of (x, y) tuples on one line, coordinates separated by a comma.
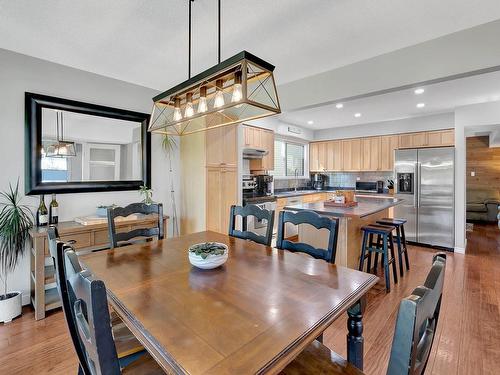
[(400, 240), (383, 245)]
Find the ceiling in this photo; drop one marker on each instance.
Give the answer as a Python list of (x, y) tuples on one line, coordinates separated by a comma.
[(145, 41), (438, 98)]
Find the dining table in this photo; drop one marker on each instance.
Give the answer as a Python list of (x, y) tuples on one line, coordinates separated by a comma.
[(253, 314)]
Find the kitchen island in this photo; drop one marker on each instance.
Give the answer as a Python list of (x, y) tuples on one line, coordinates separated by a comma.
[(351, 219)]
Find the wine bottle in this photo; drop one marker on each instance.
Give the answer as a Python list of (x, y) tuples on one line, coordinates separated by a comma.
[(53, 211), (42, 215)]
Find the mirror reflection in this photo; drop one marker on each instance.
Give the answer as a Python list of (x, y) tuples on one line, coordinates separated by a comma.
[(81, 147)]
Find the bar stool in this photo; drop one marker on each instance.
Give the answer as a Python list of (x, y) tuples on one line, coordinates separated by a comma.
[(400, 240), (384, 244)]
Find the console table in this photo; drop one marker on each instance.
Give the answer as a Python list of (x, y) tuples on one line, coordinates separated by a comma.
[(44, 296)]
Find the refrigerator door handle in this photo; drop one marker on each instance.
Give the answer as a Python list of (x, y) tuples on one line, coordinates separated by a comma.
[(415, 186), (419, 182)]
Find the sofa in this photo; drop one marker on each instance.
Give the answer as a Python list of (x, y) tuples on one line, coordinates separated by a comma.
[(482, 205)]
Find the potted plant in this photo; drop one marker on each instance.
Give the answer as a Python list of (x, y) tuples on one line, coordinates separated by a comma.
[(15, 221)]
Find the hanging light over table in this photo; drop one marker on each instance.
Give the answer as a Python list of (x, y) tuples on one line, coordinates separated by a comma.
[(238, 89), (60, 148)]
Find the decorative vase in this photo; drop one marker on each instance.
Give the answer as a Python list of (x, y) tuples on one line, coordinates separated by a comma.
[(10, 307)]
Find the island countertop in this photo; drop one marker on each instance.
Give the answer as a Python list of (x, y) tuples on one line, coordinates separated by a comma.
[(367, 205)]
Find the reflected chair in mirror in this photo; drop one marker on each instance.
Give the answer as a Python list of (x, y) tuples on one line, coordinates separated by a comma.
[(414, 334), (93, 326), (257, 214), (318, 222), (122, 238), (128, 347)]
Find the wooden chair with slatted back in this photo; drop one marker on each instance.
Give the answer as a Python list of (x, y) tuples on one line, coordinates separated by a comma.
[(259, 214), (93, 325), (413, 337), (317, 221), (134, 208)]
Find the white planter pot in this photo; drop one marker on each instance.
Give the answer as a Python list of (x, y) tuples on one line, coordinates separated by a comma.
[(10, 307)]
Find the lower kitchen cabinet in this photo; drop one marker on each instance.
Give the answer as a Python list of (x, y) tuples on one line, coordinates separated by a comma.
[(222, 192)]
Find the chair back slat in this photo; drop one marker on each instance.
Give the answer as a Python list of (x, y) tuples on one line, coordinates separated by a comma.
[(256, 212), (134, 208), (92, 319), (57, 249), (417, 323), (317, 221)]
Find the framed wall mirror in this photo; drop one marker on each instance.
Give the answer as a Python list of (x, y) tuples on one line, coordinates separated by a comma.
[(73, 147)]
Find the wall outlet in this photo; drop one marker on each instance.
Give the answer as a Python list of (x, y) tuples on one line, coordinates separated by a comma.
[(358, 178), (473, 174)]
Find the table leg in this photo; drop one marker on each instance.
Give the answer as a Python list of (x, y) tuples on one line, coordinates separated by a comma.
[(355, 333)]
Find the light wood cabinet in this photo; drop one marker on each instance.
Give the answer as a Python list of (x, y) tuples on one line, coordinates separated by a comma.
[(262, 139), (222, 192), (252, 137), (313, 157), (370, 154), (413, 140), (334, 156), (351, 154), (221, 147), (388, 144), (441, 138), (322, 162)]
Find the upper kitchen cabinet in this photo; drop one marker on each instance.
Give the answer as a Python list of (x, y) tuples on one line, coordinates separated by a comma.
[(334, 156), (370, 154), (351, 154), (318, 156), (262, 139), (438, 138), (222, 147), (388, 144)]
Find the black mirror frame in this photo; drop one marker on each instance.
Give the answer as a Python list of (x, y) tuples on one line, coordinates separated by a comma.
[(34, 103)]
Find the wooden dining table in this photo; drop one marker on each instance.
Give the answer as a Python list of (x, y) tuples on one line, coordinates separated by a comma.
[(254, 314)]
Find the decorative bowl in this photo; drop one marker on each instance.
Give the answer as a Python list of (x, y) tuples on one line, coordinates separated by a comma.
[(208, 255)]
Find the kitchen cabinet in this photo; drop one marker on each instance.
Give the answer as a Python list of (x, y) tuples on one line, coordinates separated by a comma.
[(334, 156), (222, 192), (318, 157), (388, 144), (351, 154), (252, 137), (370, 154), (221, 147), (265, 139), (413, 140), (441, 138)]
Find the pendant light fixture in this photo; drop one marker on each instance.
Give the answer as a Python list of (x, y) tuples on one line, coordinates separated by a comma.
[(238, 89), (60, 148)]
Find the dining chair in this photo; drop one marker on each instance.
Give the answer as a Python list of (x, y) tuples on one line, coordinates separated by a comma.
[(414, 334), (128, 347), (134, 208), (317, 221), (93, 325), (257, 213)]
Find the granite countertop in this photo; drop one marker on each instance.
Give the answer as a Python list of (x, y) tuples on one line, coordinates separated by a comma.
[(367, 205), (298, 193)]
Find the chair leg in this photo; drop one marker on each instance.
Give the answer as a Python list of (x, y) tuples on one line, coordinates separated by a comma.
[(400, 251), (370, 245), (386, 265), (403, 237), (363, 250), (393, 256), (379, 246)]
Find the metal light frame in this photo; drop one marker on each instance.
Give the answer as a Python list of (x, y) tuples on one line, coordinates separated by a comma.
[(259, 97)]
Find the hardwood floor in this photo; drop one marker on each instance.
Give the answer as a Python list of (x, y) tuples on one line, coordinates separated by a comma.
[(467, 341)]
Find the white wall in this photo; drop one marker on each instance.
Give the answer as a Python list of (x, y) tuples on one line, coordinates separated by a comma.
[(281, 128), (20, 73), (456, 53), (467, 117), (423, 123)]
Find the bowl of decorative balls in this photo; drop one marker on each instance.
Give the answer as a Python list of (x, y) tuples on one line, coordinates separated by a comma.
[(208, 255)]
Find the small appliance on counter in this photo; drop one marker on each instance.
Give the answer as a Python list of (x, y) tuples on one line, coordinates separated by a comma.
[(318, 181), (264, 185), (258, 190)]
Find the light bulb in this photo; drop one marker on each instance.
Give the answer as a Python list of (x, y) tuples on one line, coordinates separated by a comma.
[(189, 111), (219, 95), (177, 110), (202, 104), (237, 89)]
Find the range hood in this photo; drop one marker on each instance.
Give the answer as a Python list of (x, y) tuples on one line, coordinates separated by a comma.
[(254, 153)]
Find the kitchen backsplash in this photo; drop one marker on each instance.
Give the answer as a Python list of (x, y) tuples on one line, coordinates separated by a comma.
[(289, 184), (348, 179)]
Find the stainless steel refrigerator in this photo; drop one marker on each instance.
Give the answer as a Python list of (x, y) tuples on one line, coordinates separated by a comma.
[(425, 180)]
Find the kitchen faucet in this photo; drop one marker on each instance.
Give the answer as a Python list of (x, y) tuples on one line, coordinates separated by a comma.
[(296, 174)]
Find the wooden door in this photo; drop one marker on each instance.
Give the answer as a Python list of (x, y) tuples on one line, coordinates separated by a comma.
[(213, 203), (229, 196), (334, 156), (313, 157), (355, 154), (322, 156), (267, 139), (214, 146)]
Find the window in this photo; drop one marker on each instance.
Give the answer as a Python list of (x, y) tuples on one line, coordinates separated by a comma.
[(288, 158)]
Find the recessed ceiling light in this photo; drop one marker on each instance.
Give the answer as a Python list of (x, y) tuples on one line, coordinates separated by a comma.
[(310, 122), (419, 91), (357, 115), (339, 105), (420, 105)]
